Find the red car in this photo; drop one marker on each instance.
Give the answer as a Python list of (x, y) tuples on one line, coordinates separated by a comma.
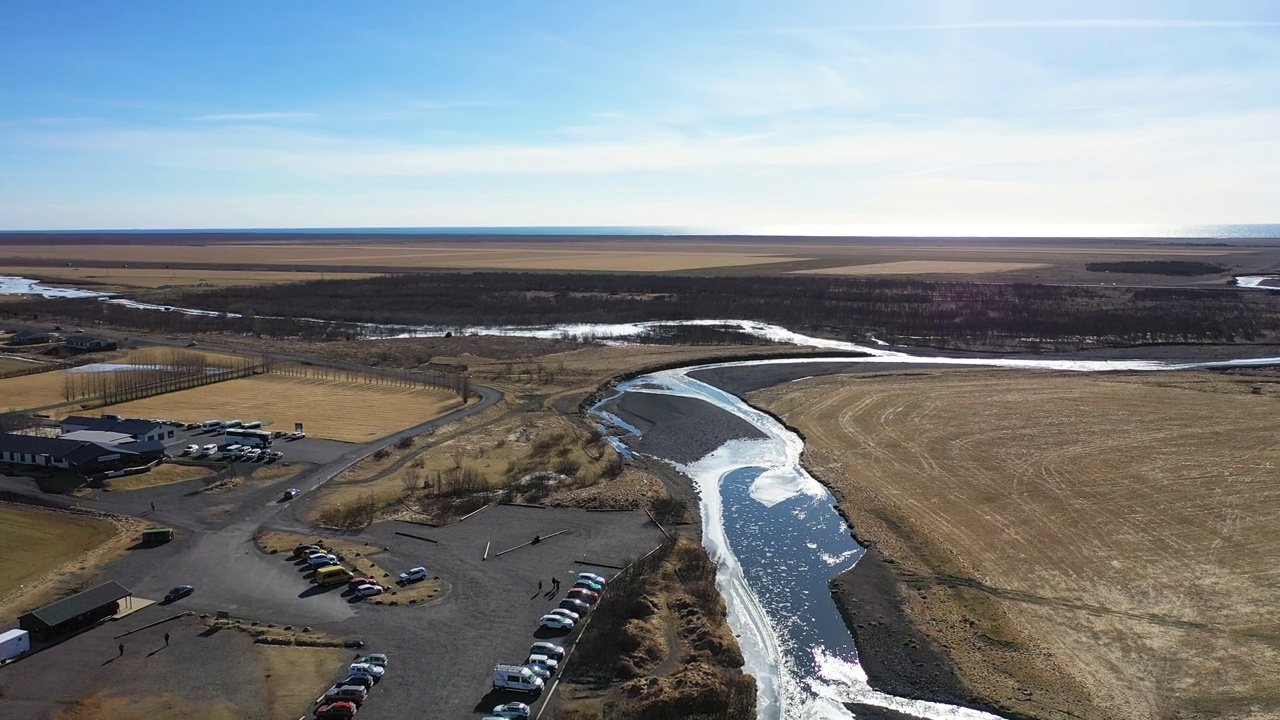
[(584, 594), (357, 582), (340, 709)]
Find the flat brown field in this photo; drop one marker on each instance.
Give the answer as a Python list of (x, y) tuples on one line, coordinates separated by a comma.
[(9, 365), (255, 258), (32, 391), (116, 278), (1125, 524), (33, 542), (443, 255), (924, 267), (334, 409)]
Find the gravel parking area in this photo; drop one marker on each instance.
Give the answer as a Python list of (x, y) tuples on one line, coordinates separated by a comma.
[(443, 652)]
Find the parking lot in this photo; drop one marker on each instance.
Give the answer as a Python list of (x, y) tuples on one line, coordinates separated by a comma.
[(309, 450), (442, 652)]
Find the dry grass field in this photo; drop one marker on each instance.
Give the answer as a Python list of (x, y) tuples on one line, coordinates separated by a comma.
[(163, 474), (10, 364), (107, 279), (445, 255), (33, 391), (924, 267), (333, 409), (1115, 533), (33, 541), (256, 258)]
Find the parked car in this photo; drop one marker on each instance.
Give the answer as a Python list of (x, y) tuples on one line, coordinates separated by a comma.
[(546, 648), (369, 590), (273, 455), (319, 561), (550, 663), (209, 449), (556, 622), (512, 710), (539, 670), (191, 426), (304, 550), (357, 582), (376, 671), (277, 434), (291, 493), (588, 585), (340, 709), (575, 605), (593, 578), (379, 659), (584, 595), (253, 455), (179, 592), (190, 449), (566, 613), (413, 575), (346, 693), (364, 681), (297, 435)]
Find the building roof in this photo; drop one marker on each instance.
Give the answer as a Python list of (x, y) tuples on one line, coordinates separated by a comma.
[(35, 445), (99, 436), (131, 426), (80, 603)]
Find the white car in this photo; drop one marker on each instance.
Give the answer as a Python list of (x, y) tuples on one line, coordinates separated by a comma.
[(593, 578), (413, 575), (253, 455), (322, 560), (191, 450), (550, 663), (551, 650), (378, 659), (209, 449), (511, 710), (556, 622), (297, 436), (539, 670), (363, 668), (369, 590), (562, 612)]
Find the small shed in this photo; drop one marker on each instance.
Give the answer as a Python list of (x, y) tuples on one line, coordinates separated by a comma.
[(76, 612)]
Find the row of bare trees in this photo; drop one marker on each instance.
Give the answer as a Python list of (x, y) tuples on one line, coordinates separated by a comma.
[(453, 382), (158, 373)]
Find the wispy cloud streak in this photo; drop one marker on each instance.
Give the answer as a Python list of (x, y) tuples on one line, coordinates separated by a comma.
[(237, 117)]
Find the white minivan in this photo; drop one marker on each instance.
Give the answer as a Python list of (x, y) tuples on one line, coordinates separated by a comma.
[(516, 677)]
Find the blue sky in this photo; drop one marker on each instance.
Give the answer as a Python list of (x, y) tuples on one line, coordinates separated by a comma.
[(669, 112)]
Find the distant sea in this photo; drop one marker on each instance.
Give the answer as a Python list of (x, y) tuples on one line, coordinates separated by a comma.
[(1204, 232)]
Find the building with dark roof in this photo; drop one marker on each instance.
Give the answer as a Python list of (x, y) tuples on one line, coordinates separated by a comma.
[(136, 428), (33, 338), (90, 343), (76, 612), (82, 456)]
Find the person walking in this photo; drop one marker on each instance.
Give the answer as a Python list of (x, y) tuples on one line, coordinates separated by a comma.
[(121, 650), (153, 507), (166, 639), (539, 586), (555, 584)]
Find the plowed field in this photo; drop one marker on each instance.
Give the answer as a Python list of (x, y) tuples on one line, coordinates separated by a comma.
[(1116, 532)]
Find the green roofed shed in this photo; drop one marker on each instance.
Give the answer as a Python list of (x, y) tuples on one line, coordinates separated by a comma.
[(75, 612)]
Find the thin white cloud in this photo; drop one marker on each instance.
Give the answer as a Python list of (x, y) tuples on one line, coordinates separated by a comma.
[(1053, 24), (250, 117)]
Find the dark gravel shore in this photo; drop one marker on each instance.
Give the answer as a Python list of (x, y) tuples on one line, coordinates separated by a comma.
[(899, 659), (679, 429)]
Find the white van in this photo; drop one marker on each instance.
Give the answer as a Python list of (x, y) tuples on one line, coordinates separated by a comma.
[(516, 677), (255, 425), (211, 425)]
